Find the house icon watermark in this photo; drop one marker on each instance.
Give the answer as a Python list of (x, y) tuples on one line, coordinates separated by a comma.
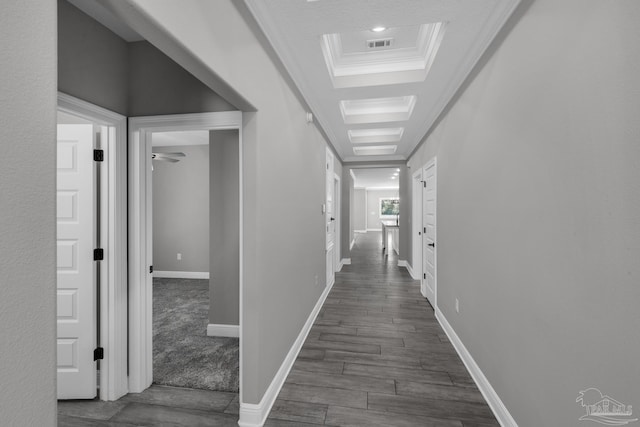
[(603, 409)]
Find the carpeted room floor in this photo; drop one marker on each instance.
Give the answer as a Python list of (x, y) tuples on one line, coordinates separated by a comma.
[(183, 354)]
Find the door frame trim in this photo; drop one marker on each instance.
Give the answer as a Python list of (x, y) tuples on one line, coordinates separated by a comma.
[(416, 226), (113, 294), (140, 223), (337, 203)]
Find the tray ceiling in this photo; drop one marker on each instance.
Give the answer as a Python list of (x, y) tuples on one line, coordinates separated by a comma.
[(377, 73)]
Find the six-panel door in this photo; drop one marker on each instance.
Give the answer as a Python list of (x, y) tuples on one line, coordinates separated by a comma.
[(76, 320)]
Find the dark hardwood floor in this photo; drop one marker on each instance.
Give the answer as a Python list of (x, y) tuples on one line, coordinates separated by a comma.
[(376, 356)]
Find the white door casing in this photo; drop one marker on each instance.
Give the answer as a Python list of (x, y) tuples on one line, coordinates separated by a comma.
[(76, 272), (337, 206), (416, 225), (428, 284), (140, 239), (330, 219), (113, 229)]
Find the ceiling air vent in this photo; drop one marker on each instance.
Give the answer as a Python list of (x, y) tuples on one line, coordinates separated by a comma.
[(379, 43)]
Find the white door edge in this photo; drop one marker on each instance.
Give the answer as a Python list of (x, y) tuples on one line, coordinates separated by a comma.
[(416, 222), (433, 164), (338, 212)]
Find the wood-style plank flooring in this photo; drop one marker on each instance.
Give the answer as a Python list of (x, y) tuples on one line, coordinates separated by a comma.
[(157, 406), (376, 356)]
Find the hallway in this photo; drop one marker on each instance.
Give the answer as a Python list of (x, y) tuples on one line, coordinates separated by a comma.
[(376, 355)]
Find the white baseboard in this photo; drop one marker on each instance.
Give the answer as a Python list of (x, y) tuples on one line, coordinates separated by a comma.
[(359, 231), (343, 262), (218, 330), (495, 403), (374, 229), (402, 263), (181, 274), (353, 242), (411, 272), (254, 415)]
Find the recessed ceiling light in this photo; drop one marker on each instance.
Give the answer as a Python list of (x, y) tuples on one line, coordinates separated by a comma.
[(393, 177), (397, 170), (378, 29)]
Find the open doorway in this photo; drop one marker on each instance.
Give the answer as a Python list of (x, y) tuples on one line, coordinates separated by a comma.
[(196, 343), (376, 206), (184, 355)]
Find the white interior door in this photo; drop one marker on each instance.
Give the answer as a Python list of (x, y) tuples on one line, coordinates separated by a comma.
[(330, 219), (76, 316), (428, 284)]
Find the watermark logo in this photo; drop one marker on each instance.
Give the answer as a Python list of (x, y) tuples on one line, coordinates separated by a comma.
[(604, 409)]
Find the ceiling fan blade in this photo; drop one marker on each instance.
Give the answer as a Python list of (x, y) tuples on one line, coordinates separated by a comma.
[(166, 159), (169, 154)]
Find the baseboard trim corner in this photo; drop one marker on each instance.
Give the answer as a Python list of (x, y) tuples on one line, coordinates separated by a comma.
[(402, 263), (255, 415), (353, 242), (219, 330), (495, 403), (181, 274), (411, 272), (344, 261)]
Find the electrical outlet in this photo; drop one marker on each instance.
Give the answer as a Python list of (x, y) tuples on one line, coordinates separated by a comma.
[(179, 256), (457, 306)]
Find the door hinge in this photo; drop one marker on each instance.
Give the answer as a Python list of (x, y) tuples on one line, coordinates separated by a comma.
[(98, 354), (150, 269), (424, 276), (424, 184), (98, 254), (424, 230), (98, 155)]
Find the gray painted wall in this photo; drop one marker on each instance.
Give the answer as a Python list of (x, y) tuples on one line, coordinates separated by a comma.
[(224, 282), (373, 206), (27, 214), (133, 79), (404, 246), (157, 86), (359, 209), (92, 61), (181, 210), (538, 207)]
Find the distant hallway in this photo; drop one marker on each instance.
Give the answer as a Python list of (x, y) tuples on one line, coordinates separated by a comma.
[(376, 355)]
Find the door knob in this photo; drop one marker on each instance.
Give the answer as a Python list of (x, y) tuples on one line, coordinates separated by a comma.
[(333, 219), (433, 245)]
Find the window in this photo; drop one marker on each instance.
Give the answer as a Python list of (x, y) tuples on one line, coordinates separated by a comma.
[(389, 207)]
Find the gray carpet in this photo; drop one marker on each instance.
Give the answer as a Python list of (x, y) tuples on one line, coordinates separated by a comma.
[(183, 354)]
